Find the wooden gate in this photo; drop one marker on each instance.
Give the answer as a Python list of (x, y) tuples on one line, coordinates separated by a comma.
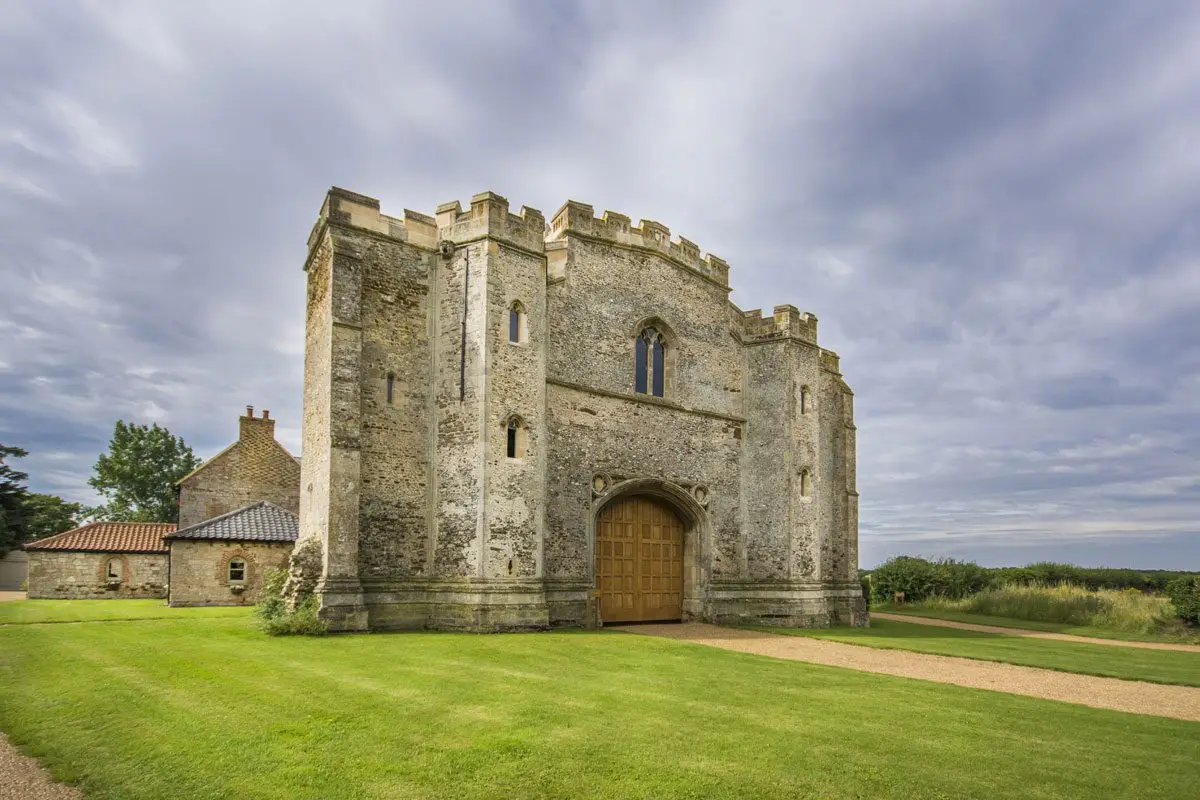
[(639, 561)]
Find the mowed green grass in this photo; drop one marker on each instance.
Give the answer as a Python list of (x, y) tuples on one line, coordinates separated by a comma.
[(1157, 666), (24, 612), (211, 708), (1035, 625)]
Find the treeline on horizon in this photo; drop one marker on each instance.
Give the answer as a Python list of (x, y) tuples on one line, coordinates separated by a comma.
[(921, 578)]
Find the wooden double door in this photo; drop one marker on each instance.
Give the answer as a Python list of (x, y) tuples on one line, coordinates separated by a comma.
[(639, 561)]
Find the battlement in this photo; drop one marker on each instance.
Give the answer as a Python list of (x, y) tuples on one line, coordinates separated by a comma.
[(489, 216), (580, 218), (342, 207), (830, 362), (787, 322)]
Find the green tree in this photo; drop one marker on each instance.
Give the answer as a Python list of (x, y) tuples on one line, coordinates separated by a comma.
[(137, 475), (13, 526), (48, 514)]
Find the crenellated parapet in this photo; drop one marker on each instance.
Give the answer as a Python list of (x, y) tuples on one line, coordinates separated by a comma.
[(787, 322), (350, 209), (579, 218), (489, 216), (830, 362)]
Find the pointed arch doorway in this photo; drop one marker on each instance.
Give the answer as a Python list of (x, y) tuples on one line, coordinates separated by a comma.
[(639, 561)]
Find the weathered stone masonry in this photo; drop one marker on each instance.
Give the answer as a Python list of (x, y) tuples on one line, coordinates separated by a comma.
[(411, 383), (65, 575)]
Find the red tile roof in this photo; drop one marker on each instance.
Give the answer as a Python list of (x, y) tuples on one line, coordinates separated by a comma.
[(109, 537)]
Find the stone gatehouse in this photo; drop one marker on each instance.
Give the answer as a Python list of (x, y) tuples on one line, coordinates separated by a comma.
[(510, 424)]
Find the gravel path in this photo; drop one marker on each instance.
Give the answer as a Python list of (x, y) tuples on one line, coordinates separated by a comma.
[(1062, 637), (6, 596), (1180, 702), (22, 778)]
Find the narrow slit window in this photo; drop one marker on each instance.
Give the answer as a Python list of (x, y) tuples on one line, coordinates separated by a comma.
[(803, 399), (512, 440), (237, 570), (805, 484), (516, 323), (657, 384), (640, 365), (391, 380)]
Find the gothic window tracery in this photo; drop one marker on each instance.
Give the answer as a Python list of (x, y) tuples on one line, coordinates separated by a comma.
[(650, 355)]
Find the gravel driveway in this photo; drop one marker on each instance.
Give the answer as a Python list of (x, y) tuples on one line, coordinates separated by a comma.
[(1062, 637), (21, 778), (1138, 697)]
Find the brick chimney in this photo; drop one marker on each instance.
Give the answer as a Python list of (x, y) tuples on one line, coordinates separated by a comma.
[(256, 430)]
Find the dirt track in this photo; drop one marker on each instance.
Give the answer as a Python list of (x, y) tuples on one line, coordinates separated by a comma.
[(1138, 697), (1062, 637)]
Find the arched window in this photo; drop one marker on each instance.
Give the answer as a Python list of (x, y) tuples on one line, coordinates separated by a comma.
[(515, 445), (805, 400), (516, 323), (115, 569), (237, 570), (650, 363)]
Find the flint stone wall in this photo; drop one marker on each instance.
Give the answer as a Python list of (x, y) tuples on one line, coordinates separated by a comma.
[(72, 576), (410, 383)]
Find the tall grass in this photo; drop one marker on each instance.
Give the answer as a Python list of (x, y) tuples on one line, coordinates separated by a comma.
[(1128, 611)]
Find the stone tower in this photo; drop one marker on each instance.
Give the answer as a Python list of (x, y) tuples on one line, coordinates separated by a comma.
[(509, 425)]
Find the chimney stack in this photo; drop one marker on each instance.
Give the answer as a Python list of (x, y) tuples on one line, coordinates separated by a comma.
[(253, 428)]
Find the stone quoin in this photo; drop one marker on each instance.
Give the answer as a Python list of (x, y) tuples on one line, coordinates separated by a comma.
[(510, 425)]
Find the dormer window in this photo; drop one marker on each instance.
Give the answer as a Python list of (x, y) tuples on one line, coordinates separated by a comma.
[(650, 355)]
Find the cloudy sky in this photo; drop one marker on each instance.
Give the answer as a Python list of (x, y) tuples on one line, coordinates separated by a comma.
[(992, 207)]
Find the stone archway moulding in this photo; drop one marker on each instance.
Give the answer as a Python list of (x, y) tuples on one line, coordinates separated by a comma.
[(696, 532)]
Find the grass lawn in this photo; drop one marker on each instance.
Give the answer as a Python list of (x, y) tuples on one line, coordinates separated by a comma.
[(1158, 666), (23, 612), (190, 707), (1032, 625)]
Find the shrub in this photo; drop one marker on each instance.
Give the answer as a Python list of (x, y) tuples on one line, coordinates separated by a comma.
[(304, 621), (1185, 597), (920, 579), (274, 616), (272, 604)]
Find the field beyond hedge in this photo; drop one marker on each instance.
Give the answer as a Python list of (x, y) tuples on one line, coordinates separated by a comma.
[(189, 707)]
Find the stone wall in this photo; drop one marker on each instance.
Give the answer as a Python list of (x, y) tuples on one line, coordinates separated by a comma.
[(200, 570), (256, 467), (411, 382), (69, 575)]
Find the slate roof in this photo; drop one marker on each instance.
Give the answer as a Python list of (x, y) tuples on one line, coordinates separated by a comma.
[(257, 522), (109, 537)]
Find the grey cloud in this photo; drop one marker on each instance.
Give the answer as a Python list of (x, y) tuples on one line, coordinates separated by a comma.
[(989, 206)]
